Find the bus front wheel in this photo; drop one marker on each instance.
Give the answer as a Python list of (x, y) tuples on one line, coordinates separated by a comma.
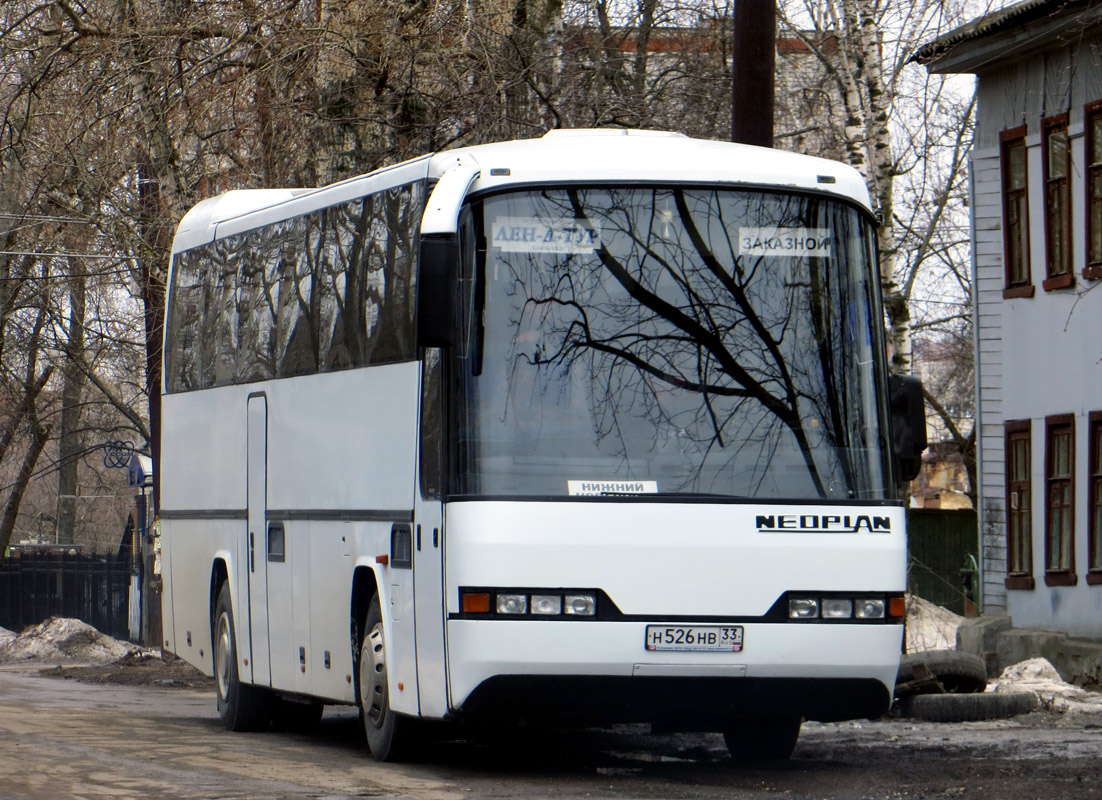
[(240, 706), (388, 734)]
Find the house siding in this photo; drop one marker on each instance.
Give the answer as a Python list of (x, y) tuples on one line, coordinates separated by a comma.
[(1041, 355), (988, 285)]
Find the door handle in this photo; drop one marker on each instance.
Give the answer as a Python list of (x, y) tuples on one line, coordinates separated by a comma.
[(277, 542)]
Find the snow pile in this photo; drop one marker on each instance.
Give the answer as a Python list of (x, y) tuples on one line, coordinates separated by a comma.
[(1039, 676), (68, 640), (5, 636), (930, 627)]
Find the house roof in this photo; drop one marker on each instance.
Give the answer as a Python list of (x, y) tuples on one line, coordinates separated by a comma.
[(1011, 31)]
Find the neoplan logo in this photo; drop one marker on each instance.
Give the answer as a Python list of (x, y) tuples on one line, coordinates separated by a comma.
[(822, 523)]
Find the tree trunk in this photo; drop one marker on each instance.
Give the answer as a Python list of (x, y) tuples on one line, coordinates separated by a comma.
[(69, 446), (40, 434)]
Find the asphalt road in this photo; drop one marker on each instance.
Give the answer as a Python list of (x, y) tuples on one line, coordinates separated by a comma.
[(62, 739)]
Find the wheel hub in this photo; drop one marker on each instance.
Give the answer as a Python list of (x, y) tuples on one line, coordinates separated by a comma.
[(223, 652), (373, 677)]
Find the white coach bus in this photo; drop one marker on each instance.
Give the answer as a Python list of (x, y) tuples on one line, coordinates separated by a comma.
[(590, 428)]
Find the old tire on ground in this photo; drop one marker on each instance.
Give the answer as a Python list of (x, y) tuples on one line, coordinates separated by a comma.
[(241, 707), (956, 671), (389, 734), (968, 707), (770, 738)]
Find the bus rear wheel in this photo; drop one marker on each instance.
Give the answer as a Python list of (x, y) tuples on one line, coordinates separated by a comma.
[(241, 707), (389, 734), (771, 738)]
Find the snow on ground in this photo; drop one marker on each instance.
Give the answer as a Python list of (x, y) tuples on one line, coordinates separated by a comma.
[(1039, 676), (5, 636), (62, 640), (930, 627)]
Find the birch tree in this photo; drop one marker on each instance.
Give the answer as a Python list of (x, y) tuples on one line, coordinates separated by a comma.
[(888, 110)]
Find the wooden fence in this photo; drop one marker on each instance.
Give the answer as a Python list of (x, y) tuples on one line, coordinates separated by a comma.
[(943, 549)]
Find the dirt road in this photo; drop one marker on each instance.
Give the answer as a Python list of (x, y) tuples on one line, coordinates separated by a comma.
[(62, 739)]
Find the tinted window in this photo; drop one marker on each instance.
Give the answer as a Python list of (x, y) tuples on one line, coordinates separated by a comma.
[(328, 291)]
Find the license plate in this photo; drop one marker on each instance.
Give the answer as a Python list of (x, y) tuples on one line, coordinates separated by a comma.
[(720, 638)]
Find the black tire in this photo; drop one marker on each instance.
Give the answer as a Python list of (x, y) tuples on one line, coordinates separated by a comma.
[(968, 707), (295, 716), (389, 734), (240, 706), (770, 738), (957, 672)]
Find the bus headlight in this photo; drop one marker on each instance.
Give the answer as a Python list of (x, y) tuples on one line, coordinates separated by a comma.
[(512, 604), (580, 605), (870, 609), (803, 608), (546, 604), (837, 608)]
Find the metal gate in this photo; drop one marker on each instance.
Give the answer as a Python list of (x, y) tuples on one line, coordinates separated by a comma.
[(37, 586)]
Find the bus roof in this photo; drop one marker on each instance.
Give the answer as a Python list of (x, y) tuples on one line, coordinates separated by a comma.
[(603, 155), (607, 154)]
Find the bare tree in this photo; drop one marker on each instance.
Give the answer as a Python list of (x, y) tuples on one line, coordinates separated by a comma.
[(118, 115)]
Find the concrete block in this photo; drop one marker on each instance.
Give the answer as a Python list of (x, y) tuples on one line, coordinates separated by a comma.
[(1079, 661), (979, 636), (1000, 645), (1017, 645)]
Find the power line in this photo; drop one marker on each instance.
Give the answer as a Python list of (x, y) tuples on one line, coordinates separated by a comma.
[(61, 275), (62, 255), (44, 218)]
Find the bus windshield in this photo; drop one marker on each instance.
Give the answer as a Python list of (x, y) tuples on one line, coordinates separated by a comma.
[(670, 341)]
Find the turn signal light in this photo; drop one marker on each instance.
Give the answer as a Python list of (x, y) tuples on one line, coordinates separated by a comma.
[(897, 607), (474, 602)]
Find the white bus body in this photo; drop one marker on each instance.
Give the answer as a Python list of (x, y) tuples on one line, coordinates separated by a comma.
[(727, 532)]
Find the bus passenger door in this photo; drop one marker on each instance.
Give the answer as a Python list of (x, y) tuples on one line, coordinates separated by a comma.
[(428, 544), (252, 630), (428, 590)]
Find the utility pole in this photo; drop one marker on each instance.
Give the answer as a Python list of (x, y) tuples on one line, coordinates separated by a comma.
[(753, 64)]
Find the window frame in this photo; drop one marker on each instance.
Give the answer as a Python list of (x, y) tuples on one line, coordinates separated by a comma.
[(1023, 287), (1059, 272), (1060, 575), (1092, 114), (1019, 575), (1094, 499)]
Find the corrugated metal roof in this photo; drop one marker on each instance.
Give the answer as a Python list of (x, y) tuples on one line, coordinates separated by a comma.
[(996, 21)]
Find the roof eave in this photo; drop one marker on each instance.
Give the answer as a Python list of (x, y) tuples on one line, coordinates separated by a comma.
[(1010, 33)]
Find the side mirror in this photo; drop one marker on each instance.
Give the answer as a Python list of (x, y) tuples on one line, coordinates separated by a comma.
[(437, 270), (908, 413)]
